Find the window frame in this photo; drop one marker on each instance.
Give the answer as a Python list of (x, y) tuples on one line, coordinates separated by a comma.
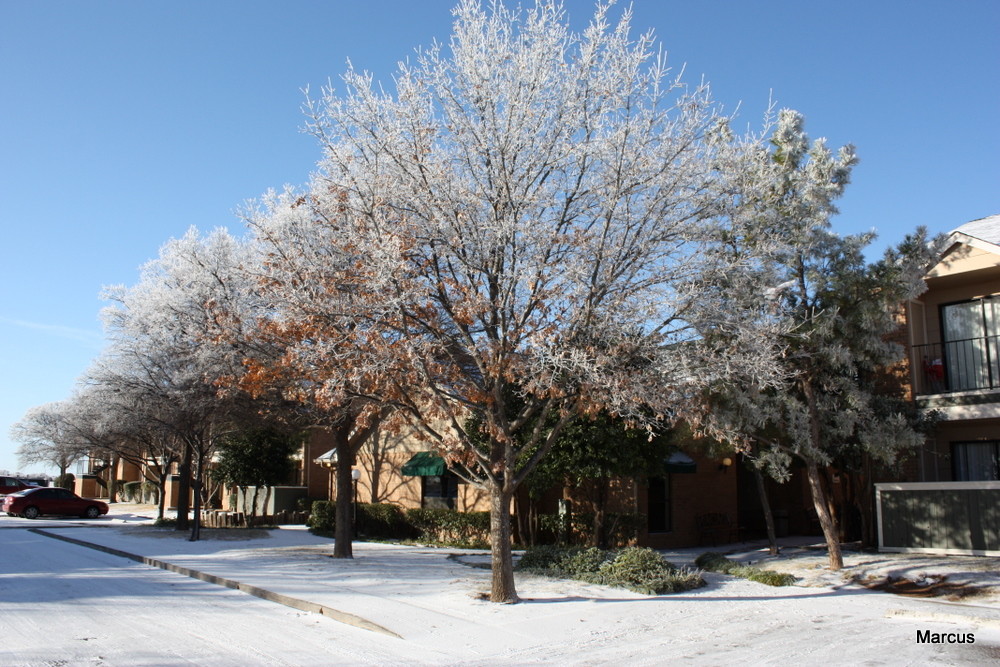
[(989, 366), (966, 477)]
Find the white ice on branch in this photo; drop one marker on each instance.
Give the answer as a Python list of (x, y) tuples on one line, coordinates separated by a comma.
[(534, 227)]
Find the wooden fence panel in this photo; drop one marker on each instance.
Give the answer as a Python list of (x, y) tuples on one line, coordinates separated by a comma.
[(939, 517)]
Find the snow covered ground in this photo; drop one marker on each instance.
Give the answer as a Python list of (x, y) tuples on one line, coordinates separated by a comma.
[(428, 604)]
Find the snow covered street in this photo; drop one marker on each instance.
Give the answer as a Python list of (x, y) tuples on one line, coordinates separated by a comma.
[(64, 604)]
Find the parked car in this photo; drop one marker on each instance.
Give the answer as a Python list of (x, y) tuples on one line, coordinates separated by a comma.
[(33, 503), (13, 485)]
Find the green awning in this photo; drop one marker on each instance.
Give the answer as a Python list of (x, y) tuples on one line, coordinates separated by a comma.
[(424, 464), (680, 462)]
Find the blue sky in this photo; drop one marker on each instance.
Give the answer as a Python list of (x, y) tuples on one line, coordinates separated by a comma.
[(125, 123)]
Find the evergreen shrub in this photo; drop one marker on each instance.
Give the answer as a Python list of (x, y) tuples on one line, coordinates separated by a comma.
[(132, 491), (388, 521), (638, 569), (305, 503), (543, 557), (578, 527), (583, 562), (323, 517), (150, 492), (451, 527), (769, 577), (716, 562), (383, 520)]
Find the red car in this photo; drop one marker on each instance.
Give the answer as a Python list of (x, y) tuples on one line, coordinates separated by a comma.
[(13, 485), (33, 503)]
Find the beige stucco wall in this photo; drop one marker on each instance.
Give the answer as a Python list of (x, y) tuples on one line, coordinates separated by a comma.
[(380, 461)]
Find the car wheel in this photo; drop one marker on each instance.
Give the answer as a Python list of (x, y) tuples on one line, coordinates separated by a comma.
[(30, 513), (92, 512)]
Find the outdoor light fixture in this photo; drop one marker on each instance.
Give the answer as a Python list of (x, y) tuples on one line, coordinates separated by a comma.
[(726, 463)]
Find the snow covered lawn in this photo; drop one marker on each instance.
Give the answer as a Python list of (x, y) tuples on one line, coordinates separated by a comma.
[(432, 602)]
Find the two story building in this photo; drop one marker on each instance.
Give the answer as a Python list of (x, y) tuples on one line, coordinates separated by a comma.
[(954, 342)]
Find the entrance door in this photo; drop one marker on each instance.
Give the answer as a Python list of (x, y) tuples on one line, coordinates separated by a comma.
[(658, 511)]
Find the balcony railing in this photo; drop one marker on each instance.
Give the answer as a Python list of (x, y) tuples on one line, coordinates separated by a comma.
[(957, 365)]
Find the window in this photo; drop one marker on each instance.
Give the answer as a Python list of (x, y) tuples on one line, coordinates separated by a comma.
[(975, 461), (439, 491), (658, 510), (970, 332)]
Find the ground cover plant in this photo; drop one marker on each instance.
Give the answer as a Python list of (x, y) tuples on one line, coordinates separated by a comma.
[(716, 562), (638, 569)]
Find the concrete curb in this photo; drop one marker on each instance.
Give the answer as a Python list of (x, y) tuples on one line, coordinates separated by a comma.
[(270, 596)]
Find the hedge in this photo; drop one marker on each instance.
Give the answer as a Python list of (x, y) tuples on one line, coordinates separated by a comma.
[(578, 527), (387, 521)]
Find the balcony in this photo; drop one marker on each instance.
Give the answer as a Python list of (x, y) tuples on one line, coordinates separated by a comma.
[(966, 365)]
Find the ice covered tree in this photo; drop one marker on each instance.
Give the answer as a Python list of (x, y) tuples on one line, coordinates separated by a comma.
[(46, 438), (165, 349), (530, 217), (310, 343), (839, 311), (128, 423)]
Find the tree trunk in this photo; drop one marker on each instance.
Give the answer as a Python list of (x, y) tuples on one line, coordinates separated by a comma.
[(244, 492), (184, 489), (253, 507), (521, 515), (826, 520), (113, 480), (196, 519), (864, 501), (343, 531), (161, 504), (376, 491), (600, 537), (267, 500), (532, 521), (765, 504), (502, 587), (378, 457)]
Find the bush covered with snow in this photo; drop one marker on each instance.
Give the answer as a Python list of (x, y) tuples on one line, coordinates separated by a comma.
[(637, 569)]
